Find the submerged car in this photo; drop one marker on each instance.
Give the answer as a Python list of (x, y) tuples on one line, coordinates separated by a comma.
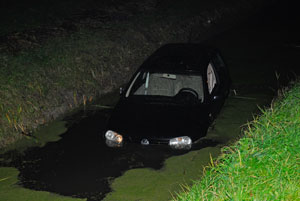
[(171, 99)]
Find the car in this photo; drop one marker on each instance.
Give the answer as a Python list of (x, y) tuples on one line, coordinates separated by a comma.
[(171, 99)]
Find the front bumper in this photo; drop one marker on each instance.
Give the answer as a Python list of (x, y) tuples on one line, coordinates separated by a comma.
[(155, 141)]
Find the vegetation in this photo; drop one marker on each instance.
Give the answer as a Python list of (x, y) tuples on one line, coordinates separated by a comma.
[(39, 84), (264, 164)]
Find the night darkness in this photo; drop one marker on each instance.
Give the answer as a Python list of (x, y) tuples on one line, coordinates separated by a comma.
[(57, 56)]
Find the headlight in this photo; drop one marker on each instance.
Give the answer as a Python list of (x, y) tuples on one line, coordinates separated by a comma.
[(114, 137), (183, 142)]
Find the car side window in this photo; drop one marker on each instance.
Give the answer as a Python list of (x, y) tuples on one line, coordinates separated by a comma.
[(211, 77)]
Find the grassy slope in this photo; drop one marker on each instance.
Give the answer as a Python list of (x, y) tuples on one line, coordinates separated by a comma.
[(262, 165), (17, 16)]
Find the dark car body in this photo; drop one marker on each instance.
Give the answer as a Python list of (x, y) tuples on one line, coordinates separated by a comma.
[(156, 118)]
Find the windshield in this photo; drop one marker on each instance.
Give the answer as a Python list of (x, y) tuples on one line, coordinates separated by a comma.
[(164, 84)]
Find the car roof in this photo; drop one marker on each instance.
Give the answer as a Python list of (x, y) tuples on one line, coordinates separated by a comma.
[(179, 57)]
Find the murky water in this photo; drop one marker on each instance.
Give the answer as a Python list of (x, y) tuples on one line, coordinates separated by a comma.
[(261, 54), (81, 164)]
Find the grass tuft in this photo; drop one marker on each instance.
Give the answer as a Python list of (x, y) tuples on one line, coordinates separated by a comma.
[(264, 164)]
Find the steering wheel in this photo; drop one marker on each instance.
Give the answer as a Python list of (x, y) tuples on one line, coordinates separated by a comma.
[(190, 91)]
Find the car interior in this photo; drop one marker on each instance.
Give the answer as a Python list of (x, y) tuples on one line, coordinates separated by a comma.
[(164, 84)]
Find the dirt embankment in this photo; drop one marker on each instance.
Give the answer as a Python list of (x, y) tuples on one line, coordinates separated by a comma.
[(48, 71)]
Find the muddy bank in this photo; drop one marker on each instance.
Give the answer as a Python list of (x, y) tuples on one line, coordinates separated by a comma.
[(39, 85)]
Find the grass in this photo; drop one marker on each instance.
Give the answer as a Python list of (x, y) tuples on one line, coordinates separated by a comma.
[(38, 85), (264, 164), (17, 16)]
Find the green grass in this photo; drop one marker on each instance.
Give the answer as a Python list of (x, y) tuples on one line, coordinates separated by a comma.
[(264, 164), (39, 85)]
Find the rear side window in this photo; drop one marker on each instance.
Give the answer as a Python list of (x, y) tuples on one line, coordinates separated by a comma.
[(211, 77)]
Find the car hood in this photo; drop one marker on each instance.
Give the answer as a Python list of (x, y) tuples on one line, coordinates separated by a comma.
[(158, 121)]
